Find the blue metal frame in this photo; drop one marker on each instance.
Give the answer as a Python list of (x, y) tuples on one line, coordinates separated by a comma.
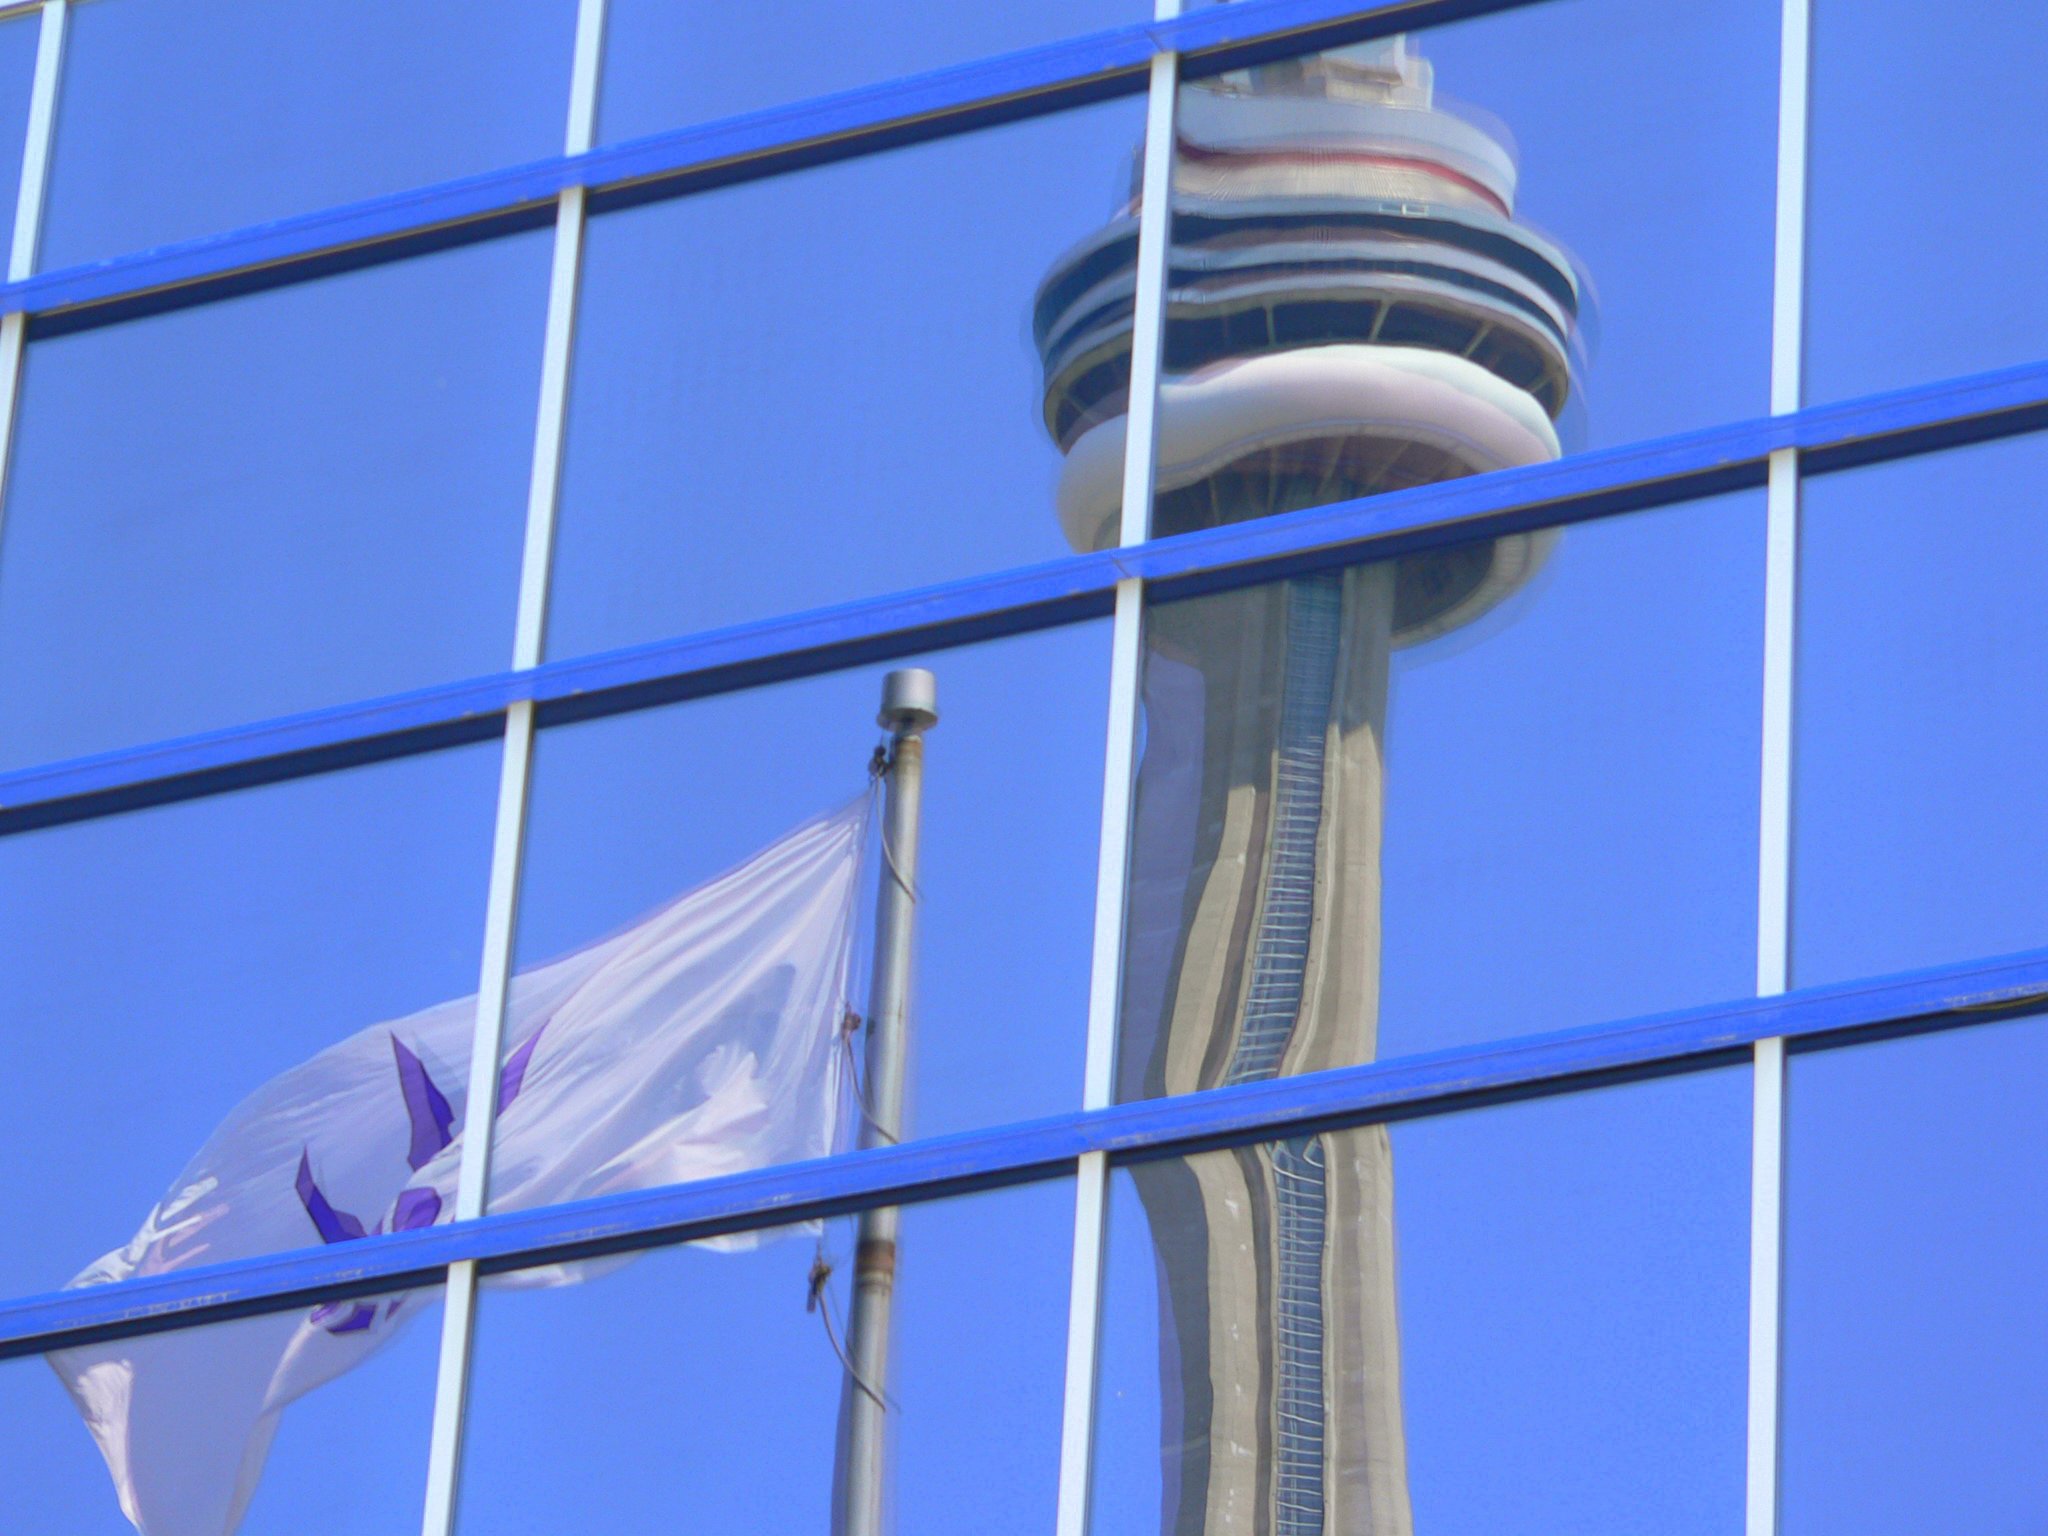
[(1017, 601), (1006, 88), (1695, 1039)]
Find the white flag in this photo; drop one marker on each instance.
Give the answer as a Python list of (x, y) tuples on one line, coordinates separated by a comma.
[(705, 1039)]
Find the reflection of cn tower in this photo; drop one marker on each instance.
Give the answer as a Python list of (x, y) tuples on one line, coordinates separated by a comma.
[(1351, 308)]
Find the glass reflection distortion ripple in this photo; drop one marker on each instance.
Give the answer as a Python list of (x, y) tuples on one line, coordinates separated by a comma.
[(1351, 308)]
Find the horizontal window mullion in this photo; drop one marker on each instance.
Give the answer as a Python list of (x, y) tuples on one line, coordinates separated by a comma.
[(940, 103), (1575, 489), (1946, 997)]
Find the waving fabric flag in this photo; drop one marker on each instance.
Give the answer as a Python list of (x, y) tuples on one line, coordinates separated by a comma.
[(703, 1040)]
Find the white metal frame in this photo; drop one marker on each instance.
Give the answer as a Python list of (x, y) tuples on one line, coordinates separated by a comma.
[(1105, 981), (1775, 831), (28, 212), (501, 916)]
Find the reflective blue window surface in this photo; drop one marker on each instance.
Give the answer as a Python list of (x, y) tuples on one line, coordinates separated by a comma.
[(669, 65), (1467, 792), (270, 503), (1916, 1270), (1516, 1319), (822, 387), (164, 966), (1922, 813), (698, 1378), (185, 120), (17, 71), (1927, 184)]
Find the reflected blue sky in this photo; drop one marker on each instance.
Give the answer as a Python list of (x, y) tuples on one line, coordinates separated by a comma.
[(291, 499), (1571, 789), (182, 120), (1916, 1266), (695, 1381), (1922, 812), (667, 65), (820, 387), (17, 70), (1925, 185)]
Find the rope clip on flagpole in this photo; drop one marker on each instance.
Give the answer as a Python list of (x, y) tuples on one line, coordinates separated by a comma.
[(909, 709)]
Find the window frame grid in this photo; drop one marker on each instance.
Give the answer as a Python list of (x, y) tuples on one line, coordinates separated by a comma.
[(1773, 452)]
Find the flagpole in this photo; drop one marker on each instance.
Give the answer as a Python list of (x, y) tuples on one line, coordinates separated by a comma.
[(909, 709)]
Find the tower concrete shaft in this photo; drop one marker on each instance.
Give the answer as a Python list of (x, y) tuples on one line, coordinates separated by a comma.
[(1351, 307)]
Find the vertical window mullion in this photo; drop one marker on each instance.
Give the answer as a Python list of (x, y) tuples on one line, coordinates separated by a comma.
[(451, 1389), (1084, 1320), (1775, 831), (28, 215)]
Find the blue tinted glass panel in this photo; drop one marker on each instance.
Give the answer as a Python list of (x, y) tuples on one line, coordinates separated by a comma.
[(347, 1451), (1916, 1270), (17, 72), (1923, 659), (276, 502), (1926, 183), (172, 973), (678, 836), (183, 120), (1519, 1319), (696, 1379), (822, 386), (669, 65), (1486, 790)]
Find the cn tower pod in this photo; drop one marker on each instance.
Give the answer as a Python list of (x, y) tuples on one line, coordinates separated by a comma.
[(1351, 308)]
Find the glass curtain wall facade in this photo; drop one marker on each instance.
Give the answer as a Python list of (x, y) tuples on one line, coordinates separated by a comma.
[(1475, 948)]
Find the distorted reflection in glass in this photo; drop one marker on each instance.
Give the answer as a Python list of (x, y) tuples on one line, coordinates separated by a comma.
[(1355, 306), (1552, 1337), (311, 1418), (1373, 284)]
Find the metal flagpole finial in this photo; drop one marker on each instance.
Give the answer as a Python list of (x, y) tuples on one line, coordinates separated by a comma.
[(910, 702)]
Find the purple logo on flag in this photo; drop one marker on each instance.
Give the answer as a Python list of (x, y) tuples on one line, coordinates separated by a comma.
[(432, 1124)]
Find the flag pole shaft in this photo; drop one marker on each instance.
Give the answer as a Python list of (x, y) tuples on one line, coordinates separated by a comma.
[(909, 708)]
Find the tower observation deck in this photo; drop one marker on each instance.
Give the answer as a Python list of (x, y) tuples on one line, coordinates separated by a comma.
[(1351, 308)]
